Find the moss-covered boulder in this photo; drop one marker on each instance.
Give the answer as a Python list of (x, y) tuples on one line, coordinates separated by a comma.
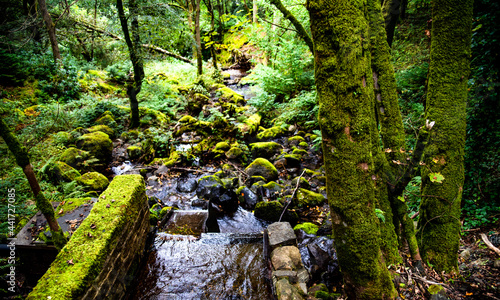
[(250, 125), (270, 133), (74, 157), (222, 146), (299, 152), (196, 102), (231, 96), (303, 183), (94, 180), (134, 152), (60, 171), (265, 149), (295, 140), (234, 153), (102, 128), (272, 210), (98, 144), (107, 119), (262, 167), (187, 119), (306, 198), (174, 158)]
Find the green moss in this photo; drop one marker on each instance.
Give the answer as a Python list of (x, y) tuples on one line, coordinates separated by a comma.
[(134, 152), (303, 145), (306, 198), (300, 152), (107, 119), (94, 180), (435, 289), (270, 133), (74, 157), (250, 125), (234, 153), (222, 146), (102, 128), (132, 134), (265, 149), (68, 205), (295, 140), (308, 227), (118, 206), (262, 167), (98, 144), (231, 96), (63, 137)]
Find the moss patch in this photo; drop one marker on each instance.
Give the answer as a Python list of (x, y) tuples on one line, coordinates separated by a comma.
[(102, 128), (308, 227), (97, 144), (94, 180)]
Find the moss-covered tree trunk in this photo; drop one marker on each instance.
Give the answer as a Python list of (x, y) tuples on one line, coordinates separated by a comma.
[(134, 48), (445, 105), (197, 38), (391, 10), (345, 90), (42, 203)]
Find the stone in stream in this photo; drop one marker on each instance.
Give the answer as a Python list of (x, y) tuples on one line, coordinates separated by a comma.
[(211, 188), (248, 199), (262, 167), (186, 185), (281, 234)]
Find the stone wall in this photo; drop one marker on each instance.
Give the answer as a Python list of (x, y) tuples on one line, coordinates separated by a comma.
[(288, 273), (97, 261)]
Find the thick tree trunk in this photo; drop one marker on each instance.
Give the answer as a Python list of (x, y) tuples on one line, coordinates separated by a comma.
[(42, 203), (345, 90), (445, 105), (134, 47), (51, 29), (298, 26)]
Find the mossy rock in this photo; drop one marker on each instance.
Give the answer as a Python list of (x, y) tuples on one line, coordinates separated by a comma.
[(153, 117), (295, 140), (309, 228), (250, 125), (174, 158), (271, 211), (234, 153), (94, 180), (222, 146), (303, 182), (262, 167), (132, 134), (231, 96), (98, 144), (134, 152), (303, 145), (107, 119), (306, 198), (74, 157), (270, 133), (300, 152), (102, 128), (265, 149), (60, 171)]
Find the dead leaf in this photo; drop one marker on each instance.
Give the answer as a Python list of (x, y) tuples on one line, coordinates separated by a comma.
[(70, 262)]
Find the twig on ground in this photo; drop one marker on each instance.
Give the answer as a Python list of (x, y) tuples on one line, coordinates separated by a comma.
[(293, 195)]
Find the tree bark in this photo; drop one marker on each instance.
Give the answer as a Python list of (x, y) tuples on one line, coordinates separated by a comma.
[(391, 10), (298, 26), (254, 11), (197, 36), (345, 92), (51, 29), (134, 46), (449, 69), (22, 160)]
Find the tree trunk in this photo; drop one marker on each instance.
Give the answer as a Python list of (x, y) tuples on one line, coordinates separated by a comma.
[(345, 91), (254, 11), (301, 31), (134, 47), (42, 203), (51, 29), (446, 106), (391, 10), (197, 36)]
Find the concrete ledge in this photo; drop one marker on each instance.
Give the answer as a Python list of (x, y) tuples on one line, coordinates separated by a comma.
[(97, 259)]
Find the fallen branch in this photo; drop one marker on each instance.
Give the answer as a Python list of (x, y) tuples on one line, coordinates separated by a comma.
[(163, 51), (489, 244), (293, 195)]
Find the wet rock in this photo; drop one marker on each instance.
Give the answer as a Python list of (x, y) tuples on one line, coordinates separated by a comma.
[(211, 188), (134, 152), (98, 144), (286, 258), (286, 291), (199, 203), (247, 198), (303, 182), (295, 140), (186, 185), (271, 211), (94, 180), (262, 167)]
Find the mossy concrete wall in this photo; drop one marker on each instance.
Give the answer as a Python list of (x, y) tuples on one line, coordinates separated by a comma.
[(97, 261)]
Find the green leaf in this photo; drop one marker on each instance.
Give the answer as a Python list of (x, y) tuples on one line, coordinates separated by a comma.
[(402, 199), (436, 177), (380, 214)]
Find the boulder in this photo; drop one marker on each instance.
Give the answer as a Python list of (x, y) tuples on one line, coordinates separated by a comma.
[(271, 211), (262, 167), (134, 152), (60, 171), (211, 188), (247, 198), (94, 180), (102, 128), (281, 234), (98, 144), (286, 258), (286, 291), (265, 149), (307, 198), (186, 185), (74, 157), (270, 133)]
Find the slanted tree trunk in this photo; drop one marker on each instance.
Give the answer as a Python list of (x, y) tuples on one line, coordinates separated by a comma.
[(345, 91), (42, 203), (134, 46), (298, 26), (51, 29), (439, 222)]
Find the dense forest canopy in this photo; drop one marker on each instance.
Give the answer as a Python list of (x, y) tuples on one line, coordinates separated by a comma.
[(146, 64)]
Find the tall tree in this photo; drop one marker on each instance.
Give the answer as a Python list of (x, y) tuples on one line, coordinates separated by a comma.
[(42, 203), (51, 30), (197, 36), (134, 47), (344, 84), (443, 174), (391, 10)]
